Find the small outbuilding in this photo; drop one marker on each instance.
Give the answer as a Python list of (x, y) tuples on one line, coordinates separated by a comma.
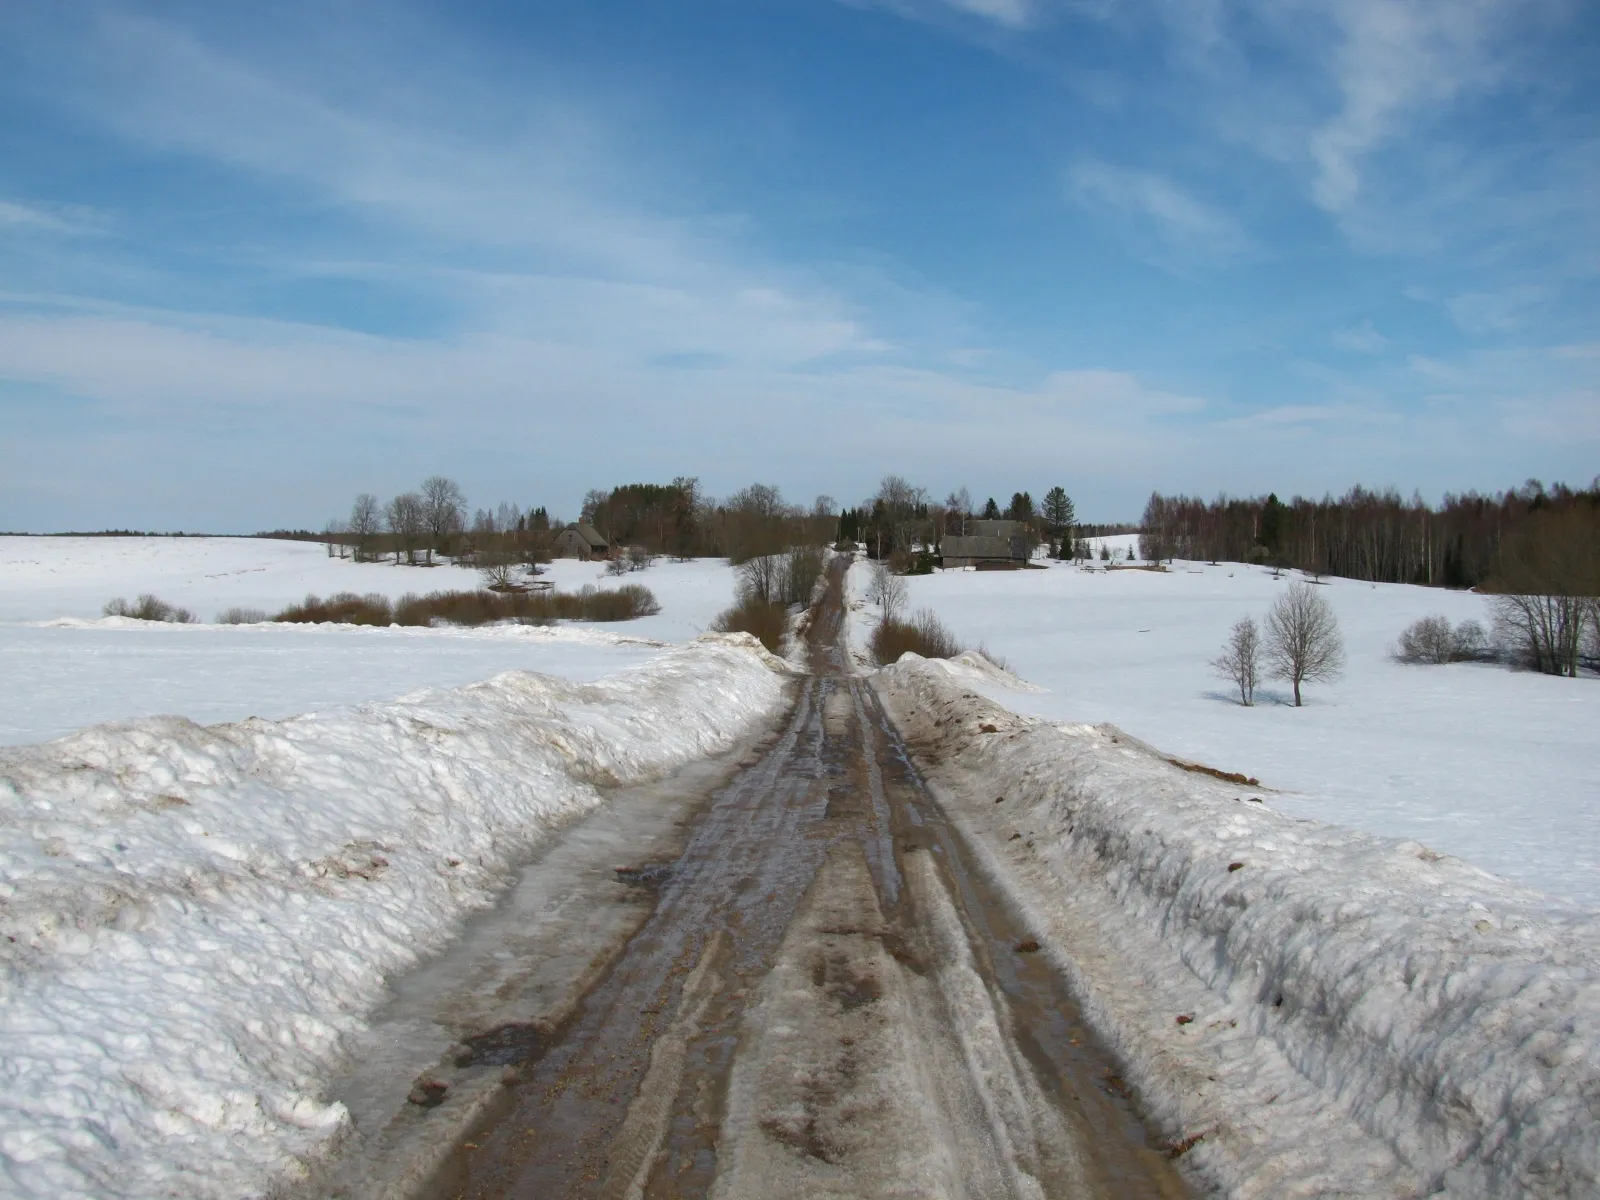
[(987, 544), (580, 541)]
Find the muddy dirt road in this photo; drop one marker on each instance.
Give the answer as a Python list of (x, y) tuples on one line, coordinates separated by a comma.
[(823, 1001)]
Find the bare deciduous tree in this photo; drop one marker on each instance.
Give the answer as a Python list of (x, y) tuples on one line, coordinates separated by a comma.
[(443, 509), (1302, 638), (898, 501), (406, 522), (500, 570), (366, 519), (1542, 632), (887, 590), (1240, 660), (758, 578)]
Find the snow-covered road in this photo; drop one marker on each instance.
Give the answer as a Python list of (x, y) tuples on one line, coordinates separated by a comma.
[(821, 1002)]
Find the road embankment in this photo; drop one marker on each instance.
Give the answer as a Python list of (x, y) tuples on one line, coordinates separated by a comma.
[(1303, 1009)]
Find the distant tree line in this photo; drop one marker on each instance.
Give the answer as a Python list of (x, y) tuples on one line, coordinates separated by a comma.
[(1535, 550), (1522, 537)]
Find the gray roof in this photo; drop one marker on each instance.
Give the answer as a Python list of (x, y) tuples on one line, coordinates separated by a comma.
[(970, 546), (589, 534)]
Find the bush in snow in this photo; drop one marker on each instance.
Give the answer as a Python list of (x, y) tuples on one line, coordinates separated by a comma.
[(477, 608), (148, 608), (342, 608), (924, 634), (1426, 640), (760, 618), (1469, 642), (1431, 640), (241, 616), (1240, 660), (1302, 638)]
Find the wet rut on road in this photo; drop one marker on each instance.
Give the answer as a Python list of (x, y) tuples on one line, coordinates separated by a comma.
[(823, 1001)]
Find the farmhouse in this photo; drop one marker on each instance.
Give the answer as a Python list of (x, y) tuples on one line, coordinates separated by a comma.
[(987, 544), (581, 541)]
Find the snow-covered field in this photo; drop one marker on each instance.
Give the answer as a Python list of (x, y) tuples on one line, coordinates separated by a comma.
[(1496, 766), (64, 667), (62, 678), (1306, 1010), (196, 918), (46, 577)]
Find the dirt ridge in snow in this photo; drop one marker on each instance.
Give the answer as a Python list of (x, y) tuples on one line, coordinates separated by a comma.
[(1323, 1010)]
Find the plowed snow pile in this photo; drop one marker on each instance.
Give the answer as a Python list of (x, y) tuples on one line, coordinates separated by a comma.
[(1305, 1009), (195, 917)]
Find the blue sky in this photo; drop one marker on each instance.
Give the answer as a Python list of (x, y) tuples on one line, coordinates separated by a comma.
[(253, 261)]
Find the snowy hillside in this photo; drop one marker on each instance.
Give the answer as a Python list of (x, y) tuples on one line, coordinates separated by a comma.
[(196, 918), (1492, 765)]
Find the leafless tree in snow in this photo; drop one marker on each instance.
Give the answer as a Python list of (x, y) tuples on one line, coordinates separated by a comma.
[(366, 520), (1302, 638), (405, 519), (1240, 660), (500, 569), (887, 590), (443, 511)]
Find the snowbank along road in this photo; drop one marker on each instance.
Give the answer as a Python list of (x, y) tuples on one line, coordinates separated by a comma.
[(1311, 1010), (822, 1001)]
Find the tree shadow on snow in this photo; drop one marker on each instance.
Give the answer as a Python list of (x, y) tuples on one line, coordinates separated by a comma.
[(1263, 697)]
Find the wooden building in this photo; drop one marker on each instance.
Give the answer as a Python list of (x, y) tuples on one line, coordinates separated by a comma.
[(580, 541), (987, 544)]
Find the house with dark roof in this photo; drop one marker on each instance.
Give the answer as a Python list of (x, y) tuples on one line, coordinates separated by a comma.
[(581, 541), (987, 544)]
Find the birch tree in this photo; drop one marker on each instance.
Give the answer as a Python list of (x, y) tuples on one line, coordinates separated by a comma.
[(1240, 660)]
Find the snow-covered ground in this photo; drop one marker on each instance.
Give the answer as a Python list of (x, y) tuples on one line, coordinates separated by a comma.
[(196, 919), (1306, 1010), (61, 678), (1496, 766), (64, 667), (46, 577)]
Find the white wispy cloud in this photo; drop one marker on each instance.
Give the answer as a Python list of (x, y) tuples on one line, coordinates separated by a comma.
[(1505, 311), (1166, 224), (1008, 14), (1360, 339), (1392, 61), (69, 220)]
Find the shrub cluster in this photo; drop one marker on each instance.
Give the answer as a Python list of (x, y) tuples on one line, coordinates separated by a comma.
[(634, 558), (241, 616), (924, 634), (342, 608), (148, 608), (1432, 640), (763, 619), (477, 608)]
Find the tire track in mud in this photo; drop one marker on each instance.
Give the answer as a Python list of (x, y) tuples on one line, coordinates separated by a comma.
[(824, 1001)]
